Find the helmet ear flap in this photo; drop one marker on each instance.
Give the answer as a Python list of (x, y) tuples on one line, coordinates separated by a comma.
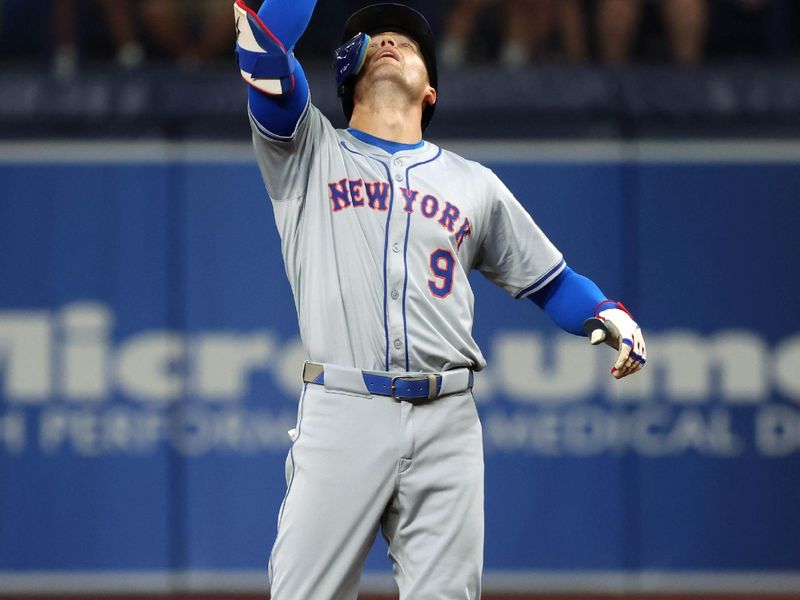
[(348, 61), (349, 58)]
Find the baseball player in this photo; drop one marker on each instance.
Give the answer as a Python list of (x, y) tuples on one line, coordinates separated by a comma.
[(379, 231)]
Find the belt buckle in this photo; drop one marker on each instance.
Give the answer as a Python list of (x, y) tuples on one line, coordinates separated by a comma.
[(430, 378)]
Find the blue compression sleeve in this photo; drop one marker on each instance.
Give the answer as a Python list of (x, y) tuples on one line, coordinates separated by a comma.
[(569, 300), (287, 19), (278, 115)]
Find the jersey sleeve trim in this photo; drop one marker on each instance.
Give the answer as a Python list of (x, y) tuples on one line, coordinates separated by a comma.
[(542, 281), (274, 137)]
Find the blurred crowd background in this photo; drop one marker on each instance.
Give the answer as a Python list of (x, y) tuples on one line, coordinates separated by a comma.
[(541, 68), (66, 35)]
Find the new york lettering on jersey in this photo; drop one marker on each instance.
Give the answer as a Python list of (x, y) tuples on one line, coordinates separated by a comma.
[(348, 193)]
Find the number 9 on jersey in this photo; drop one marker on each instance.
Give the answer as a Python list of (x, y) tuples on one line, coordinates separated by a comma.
[(442, 264)]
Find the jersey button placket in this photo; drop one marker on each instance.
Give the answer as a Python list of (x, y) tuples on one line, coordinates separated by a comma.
[(396, 273)]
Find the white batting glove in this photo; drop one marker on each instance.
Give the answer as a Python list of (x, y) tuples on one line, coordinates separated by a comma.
[(263, 60), (621, 332)]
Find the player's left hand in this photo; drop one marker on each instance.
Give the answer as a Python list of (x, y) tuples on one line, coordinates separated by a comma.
[(263, 60), (616, 327)]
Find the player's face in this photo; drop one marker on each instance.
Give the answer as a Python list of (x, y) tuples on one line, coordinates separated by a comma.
[(394, 49), (396, 57)]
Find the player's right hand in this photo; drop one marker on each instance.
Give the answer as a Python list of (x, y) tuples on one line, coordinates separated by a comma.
[(622, 333)]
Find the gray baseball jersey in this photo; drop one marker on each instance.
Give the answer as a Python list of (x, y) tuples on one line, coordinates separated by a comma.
[(378, 246)]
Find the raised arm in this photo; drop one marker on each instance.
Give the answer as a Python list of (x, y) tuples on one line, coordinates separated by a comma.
[(278, 93)]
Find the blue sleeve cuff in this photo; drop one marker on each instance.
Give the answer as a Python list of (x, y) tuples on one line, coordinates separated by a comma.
[(569, 300), (277, 116)]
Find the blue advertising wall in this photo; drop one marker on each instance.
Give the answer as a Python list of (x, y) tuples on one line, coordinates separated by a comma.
[(149, 372)]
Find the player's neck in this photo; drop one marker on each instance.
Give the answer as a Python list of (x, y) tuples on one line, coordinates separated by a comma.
[(391, 123)]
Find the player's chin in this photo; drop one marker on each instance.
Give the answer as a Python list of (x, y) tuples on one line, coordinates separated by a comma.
[(386, 68), (390, 74)]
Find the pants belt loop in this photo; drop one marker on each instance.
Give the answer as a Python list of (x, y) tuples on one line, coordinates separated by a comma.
[(311, 371), (433, 392)]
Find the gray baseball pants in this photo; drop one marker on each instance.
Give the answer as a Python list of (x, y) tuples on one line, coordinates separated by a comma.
[(360, 462)]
